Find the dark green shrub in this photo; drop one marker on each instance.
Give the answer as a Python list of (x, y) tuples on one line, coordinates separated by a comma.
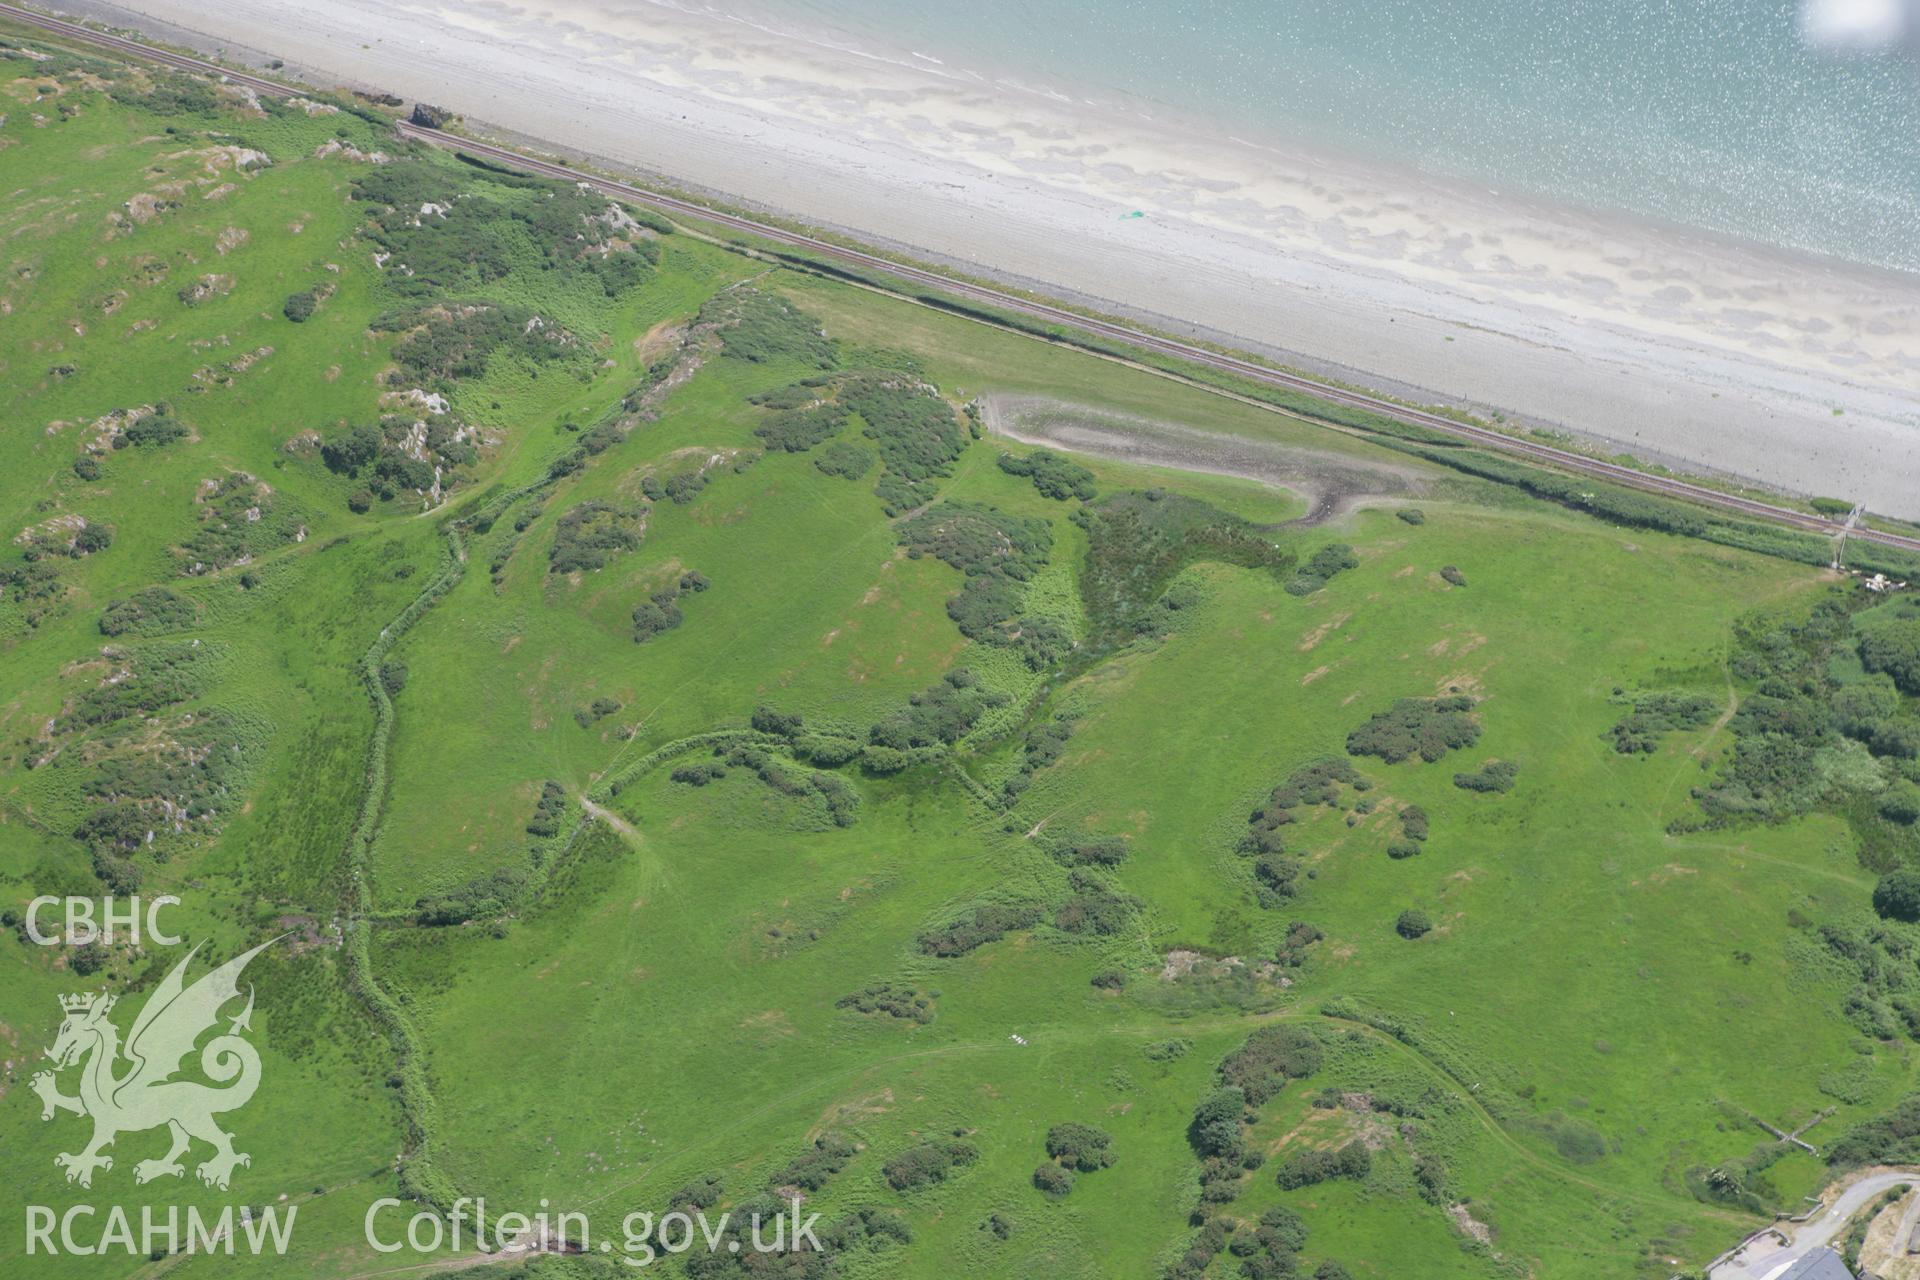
[(1332, 559), (1897, 895), (1306, 1168), (1427, 727), (1894, 648), (848, 461), (1270, 1057), (896, 1000), (547, 814), (1054, 476), (926, 1164), (1052, 1180), (146, 611), (1080, 1147), (984, 924), (1495, 776), (767, 720)]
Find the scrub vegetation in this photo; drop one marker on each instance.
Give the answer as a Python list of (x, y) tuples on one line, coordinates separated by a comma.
[(686, 764)]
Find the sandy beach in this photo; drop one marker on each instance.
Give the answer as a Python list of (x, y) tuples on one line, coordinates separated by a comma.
[(1798, 372)]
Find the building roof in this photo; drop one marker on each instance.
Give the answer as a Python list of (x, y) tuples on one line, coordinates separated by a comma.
[(1821, 1264)]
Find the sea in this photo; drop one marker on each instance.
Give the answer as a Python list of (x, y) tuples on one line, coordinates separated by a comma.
[(1710, 114)]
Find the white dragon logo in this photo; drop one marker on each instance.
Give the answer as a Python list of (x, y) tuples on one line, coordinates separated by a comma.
[(147, 1096)]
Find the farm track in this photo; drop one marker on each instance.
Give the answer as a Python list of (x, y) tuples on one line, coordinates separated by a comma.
[(1562, 459)]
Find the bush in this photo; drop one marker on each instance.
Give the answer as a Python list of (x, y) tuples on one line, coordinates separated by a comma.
[(1216, 1124), (940, 716), (1495, 775), (1859, 708), (884, 760), (151, 432), (812, 1168), (767, 720), (1453, 575), (149, 610), (651, 617), (299, 306), (1270, 1057), (847, 461), (699, 775), (1330, 560), (477, 899), (1412, 515), (1402, 849), (894, 999), (1655, 715), (87, 467), (825, 750), (1110, 980), (547, 814), (1054, 476), (88, 959), (1898, 738), (1052, 1180), (685, 487), (591, 534), (1306, 1168), (393, 676), (984, 924), (1414, 923), (798, 430), (1094, 910), (1080, 1146), (347, 453), (1293, 948), (1901, 803), (1895, 649), (1103, 851), (1427, 727), (1897, 896), (760, 327), (926, 1164)]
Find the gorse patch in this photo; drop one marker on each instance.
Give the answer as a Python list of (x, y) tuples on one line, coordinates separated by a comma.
[(763, 327), (1426, 727), (443, 233), (998, 553), (1139, 541), (1054, 476), (591, 534)]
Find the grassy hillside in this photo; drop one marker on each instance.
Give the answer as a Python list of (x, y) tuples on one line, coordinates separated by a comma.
[(686, 756)]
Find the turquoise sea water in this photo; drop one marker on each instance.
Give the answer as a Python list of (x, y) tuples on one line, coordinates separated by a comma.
[(1705, 113)]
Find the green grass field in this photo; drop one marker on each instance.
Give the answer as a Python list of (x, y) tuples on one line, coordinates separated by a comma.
[(468, 720)]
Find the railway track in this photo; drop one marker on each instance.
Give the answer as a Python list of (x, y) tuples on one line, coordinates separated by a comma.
[(1562, 459)]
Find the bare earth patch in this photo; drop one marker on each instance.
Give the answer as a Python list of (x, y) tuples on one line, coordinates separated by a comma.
[(1331, 482)]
